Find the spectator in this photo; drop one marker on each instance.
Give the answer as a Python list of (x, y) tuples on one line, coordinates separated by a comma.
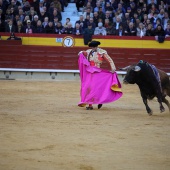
[(16, 19), (59, 29), (108, 16), (141, 30), (129, 11), (126, 24), (77, 30), (49, 28), (86, 21), (2, 16), (133, 7), (114, 4), (41, 7), (121, 9), (81, 21), (88, 12), (21, 14), (25, 20), (10, 27), (167, 31), (88, 33), (2, 26), (165, 20), (117, 23), (79, 4), (120, 31), (106, 23), (68, 29), (26, 6), (13, 5), (140, 14), (88, 5), (96, 9), (162, 4), (135, 16), (140, 3), (101, 13), (3, 5), (42, 15), (57, 5), (144, 10), (145, 18), (39, 28), (28, 28), (19, 27), (125, 18), (12, 13), (154, 19), (46, 21), (152, 4), (13, 37), (108, 6), (161, 14), (100, 30), (31, 14), (130, 30), (110, 30), (35, 20), (159, 34), (95, 17), (55, 22), (91, 21), (35, 5), (66, 23), (56, 13), (149, 30), (8, 14)]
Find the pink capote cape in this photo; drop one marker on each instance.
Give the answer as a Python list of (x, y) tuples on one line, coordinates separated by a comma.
[(98, 86)]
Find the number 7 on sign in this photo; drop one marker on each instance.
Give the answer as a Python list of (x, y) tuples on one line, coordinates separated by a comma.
[(68, 41)]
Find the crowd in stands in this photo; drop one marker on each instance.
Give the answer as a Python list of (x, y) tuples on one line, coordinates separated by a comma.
[(98, 17)]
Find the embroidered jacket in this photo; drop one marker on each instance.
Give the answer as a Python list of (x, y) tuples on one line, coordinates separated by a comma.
[(96, 58)]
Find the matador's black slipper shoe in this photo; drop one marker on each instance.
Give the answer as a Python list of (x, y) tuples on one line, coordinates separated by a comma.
[(99, 106), (89, 108)]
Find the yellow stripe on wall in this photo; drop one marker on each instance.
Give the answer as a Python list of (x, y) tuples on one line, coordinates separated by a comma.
[(114, 43)]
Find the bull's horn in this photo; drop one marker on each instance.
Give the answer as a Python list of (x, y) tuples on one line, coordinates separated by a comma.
[(137, 68), (124, 69)]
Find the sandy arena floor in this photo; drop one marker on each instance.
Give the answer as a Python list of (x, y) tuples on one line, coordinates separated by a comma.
[(42, 128)]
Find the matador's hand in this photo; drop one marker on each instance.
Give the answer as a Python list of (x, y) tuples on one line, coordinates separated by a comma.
[(112, 71)]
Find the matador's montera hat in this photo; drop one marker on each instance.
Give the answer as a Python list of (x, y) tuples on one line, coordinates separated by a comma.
[(94, 43)]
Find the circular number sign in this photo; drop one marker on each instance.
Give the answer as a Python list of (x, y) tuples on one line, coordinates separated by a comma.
[(68, 41)]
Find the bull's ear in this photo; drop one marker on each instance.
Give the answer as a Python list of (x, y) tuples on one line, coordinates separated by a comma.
[(137, 68)]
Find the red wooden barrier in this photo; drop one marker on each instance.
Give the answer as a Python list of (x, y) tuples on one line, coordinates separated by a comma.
[(15, 55)]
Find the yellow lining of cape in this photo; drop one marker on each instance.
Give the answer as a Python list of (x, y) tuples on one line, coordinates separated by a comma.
[(115, 87)]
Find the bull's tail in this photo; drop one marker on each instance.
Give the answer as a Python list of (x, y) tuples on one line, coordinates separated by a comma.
[(168, 91)]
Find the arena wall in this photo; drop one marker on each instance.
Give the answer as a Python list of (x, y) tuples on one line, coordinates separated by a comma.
[(55, 56)]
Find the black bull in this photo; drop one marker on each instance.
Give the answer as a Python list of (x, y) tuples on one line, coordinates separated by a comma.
[(152, 83)]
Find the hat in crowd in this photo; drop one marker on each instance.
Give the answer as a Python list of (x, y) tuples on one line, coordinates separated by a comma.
[(28, 21), (94, 43), (128, 8), (100, 24)]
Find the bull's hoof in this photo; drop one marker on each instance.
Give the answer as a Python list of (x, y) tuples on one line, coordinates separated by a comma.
[(149, 112), (99, 106), (162, 109)]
